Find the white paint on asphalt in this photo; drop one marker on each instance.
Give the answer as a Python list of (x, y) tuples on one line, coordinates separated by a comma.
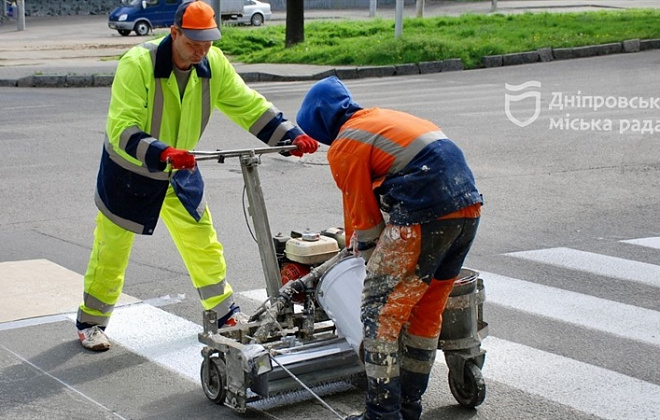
[(589, 262), (584, 387), (620, 319), (159, 336), (646, 242)]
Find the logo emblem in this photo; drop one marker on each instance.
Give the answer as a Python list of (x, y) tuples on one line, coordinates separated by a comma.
[(508, 98)]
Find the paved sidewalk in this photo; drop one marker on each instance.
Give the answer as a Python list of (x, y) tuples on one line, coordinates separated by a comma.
[(82, 50)]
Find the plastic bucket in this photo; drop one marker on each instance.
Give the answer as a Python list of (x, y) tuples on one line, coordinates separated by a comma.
[(339, 292)]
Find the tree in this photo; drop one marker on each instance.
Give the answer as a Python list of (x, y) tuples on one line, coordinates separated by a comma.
[(295, 22), (419, 8)]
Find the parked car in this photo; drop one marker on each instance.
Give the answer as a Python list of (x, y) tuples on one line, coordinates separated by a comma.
[(142, 16), (255, 13)]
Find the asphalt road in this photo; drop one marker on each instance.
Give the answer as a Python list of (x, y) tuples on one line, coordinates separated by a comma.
[(568, 246)]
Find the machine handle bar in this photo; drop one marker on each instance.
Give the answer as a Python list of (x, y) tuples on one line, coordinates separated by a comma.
[(220, 155)]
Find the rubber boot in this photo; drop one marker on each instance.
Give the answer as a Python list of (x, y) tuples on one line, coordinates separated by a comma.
[(383, 396), (411, 410), (416, 365), (418, 347), (381, 402)]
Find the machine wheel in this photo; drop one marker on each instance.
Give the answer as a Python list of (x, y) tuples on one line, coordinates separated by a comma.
[(257, 19), (215, 384), (123, 32), (473, 391), (142, 28)]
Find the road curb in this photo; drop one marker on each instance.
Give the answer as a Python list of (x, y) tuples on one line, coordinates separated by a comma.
[(426, 67), (550, 54)]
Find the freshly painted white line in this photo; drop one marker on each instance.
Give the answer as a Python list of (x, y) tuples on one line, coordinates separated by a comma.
[(582, 386), (589, 262), (647, 242), (620, 319), (159, 336)]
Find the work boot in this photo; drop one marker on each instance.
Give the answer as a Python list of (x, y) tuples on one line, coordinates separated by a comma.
[(233, 317), (413, 385), (411, 410), (383, 396), (93, 338), (417, 358), (237, 318)]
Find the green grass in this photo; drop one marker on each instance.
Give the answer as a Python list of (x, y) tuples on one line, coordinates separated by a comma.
[(469, 37)]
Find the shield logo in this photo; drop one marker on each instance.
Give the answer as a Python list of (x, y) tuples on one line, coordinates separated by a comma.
[(508, 99)]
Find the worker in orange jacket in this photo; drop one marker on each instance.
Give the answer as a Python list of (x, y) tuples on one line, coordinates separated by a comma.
[(391, 162)]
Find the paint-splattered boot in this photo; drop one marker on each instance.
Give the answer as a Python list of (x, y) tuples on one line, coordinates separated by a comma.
[(417, 358)]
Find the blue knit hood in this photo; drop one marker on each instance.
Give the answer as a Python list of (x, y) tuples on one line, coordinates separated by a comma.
[(325, 108)]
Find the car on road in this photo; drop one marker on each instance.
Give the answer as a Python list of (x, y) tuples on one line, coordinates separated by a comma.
[(142, 16), (255, 13)]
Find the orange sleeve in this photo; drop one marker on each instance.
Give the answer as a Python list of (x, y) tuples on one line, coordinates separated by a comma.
[(353, 177)]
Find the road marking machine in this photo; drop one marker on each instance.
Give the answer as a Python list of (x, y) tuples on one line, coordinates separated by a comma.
[(307, 334)]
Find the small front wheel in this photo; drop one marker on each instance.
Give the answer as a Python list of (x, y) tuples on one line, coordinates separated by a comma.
[(473, 390), (214, 379)]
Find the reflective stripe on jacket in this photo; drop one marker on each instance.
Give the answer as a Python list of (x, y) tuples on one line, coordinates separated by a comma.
[(147, 114), (393, 161)]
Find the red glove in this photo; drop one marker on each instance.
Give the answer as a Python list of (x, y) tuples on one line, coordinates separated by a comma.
[(179, 159), (305, 144)]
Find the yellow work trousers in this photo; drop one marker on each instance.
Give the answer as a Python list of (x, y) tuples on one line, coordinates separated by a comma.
[(197, 243)]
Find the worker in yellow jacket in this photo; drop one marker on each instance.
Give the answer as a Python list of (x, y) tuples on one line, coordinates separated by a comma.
[(163, 95)]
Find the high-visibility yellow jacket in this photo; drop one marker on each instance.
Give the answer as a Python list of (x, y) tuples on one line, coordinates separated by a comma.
[(147, 114)]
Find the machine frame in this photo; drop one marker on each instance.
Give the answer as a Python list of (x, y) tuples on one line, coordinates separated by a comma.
[(283, 349)]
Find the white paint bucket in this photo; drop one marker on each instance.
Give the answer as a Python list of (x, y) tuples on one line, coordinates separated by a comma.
[(339, 292)]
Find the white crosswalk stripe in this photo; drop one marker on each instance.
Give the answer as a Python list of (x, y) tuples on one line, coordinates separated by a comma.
[(585, 387), (159, 336), (646, 242), (172, 342), (604, 315), (589, 262)]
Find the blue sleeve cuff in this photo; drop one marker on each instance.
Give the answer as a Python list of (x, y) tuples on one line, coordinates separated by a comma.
[(152, 157)]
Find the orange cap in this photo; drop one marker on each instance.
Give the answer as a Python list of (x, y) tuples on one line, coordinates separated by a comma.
[(197, 21)]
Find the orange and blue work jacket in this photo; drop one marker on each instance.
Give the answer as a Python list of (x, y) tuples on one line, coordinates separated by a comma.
[(386, 160)]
